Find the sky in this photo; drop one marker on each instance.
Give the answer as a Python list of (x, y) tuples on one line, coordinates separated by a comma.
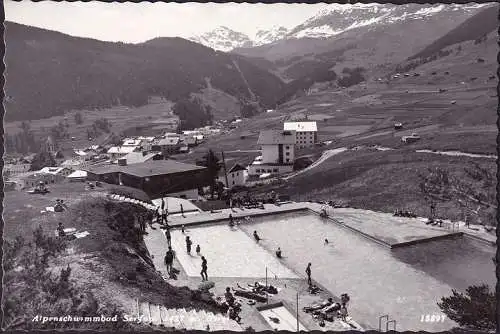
[(138, 22)]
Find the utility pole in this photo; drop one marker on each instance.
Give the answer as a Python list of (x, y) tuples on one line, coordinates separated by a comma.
[(297, 311), (225, 170), (267, 295)]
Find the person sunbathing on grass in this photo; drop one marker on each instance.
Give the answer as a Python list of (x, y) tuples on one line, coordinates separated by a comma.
[(334, 307), (257, 288), (318, 306)]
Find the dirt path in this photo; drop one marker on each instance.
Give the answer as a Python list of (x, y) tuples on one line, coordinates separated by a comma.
[(325, 156)]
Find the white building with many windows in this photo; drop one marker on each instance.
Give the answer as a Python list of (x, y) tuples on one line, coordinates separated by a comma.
[(278, 153), (306, 133)]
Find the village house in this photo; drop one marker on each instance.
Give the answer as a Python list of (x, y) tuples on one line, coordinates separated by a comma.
[(63, 171), (117, 152), (190, 141), (235, 176), (32, 179), (167, 146), (146, 143), (157, 178), (278, 153), (131, 142), (306, 133), (86, 155), (77, 176), (140, 157)]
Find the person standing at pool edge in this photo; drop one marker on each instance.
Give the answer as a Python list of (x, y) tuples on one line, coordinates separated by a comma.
[(204, 276), (308, 272), (169, 237), (169, 259), (188, 244)]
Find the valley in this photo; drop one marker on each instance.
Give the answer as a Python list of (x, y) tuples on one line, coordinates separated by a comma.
[(367, 125)]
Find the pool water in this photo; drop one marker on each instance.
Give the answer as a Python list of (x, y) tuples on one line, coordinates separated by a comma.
[(230, 252), (378, 280)]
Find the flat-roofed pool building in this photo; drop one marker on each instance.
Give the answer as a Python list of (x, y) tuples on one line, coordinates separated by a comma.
[(306, 132), (157, 178)]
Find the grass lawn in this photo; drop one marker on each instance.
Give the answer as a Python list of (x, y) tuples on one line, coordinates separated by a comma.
[(381, 181)]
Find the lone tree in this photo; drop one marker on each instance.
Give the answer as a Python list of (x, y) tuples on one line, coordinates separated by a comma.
[(474, 191), (211, 161), (474, 310)]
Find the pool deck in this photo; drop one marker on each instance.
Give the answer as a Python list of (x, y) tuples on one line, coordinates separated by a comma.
[(379, 227), (223, 215)]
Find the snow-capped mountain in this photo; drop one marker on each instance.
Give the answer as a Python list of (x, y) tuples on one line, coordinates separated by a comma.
[(223, 39), (226, 39), (269, 36), (335, 19)]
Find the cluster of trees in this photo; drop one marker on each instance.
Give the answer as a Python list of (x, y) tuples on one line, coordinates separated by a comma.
[(192, 113), (474, 310), (101, 125), (320, 72), (351, 76), (41, 160), (59, 131), (401, 68), (249, 109), (23, 141), (31, 288)]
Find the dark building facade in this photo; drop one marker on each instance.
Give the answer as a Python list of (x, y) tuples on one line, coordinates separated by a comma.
[(156, 178)]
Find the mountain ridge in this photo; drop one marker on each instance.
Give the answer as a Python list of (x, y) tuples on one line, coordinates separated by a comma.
[(87, 73)]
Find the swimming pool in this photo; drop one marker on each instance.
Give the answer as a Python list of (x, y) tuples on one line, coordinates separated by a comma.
[(379, 281)]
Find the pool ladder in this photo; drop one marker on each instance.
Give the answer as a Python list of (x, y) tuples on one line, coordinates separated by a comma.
[(386, 317)]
